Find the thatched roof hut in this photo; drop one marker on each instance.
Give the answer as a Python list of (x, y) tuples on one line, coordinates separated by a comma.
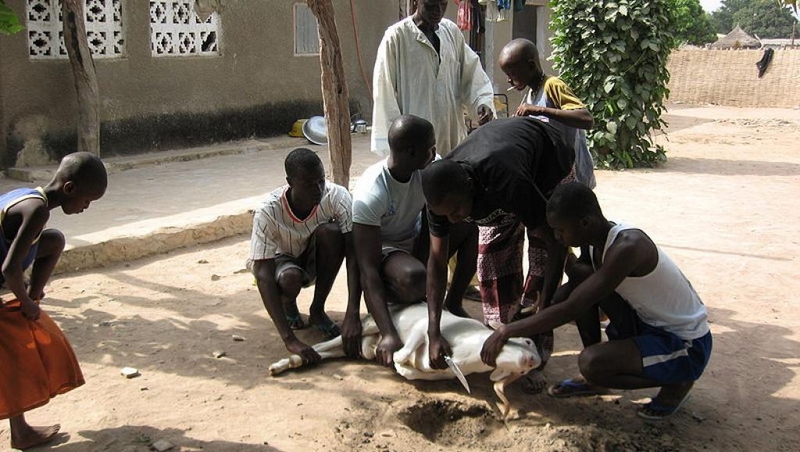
[(737, 39)]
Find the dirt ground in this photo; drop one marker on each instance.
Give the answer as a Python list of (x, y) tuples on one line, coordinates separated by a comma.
[(724, 207)]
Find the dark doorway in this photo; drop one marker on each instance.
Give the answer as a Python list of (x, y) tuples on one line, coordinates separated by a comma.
[(524, 24)]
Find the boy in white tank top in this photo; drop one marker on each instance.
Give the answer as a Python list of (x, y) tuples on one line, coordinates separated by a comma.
[(658, 332)]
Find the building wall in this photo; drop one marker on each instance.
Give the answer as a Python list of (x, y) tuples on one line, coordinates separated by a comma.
[(255, 87), (730, 77)]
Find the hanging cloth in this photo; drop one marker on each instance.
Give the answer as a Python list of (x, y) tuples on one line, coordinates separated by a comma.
[(763, 64), (464, 19), (519, 5), (494, 13), (503, 4)]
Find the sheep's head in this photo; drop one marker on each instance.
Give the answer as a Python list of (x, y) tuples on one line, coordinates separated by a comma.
[(517, 358)]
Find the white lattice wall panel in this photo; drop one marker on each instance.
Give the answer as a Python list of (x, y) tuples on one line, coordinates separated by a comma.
[(104, 30), (176, 30)]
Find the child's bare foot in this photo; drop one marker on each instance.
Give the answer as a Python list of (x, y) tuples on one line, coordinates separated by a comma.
[(26, 436)]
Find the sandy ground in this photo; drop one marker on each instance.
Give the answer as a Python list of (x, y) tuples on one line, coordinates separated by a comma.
[(724, 207)]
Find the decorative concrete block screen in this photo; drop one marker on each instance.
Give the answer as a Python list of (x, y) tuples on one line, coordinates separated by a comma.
[(730, 77), (103, 29), (176, 30)]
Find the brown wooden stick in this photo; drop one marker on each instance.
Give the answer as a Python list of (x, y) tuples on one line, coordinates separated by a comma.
[(335, 94)]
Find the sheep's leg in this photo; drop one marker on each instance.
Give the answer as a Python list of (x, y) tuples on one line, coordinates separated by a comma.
[(415, 339), (328, 349), (499, 388)]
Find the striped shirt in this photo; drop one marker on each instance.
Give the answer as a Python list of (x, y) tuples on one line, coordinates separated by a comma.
[(276, 230)]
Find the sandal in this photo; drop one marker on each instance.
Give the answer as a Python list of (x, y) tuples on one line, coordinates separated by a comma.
[(328, 329), (655, 411), (295, 322), (472, 293), (572, 388)]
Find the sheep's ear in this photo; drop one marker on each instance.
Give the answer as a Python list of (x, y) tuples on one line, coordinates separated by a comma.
[(499, 374)]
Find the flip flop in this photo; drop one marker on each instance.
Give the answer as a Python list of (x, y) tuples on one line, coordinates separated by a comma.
[(329, 329), (572, 388), (659, 411), (295, 322), (472, 293)]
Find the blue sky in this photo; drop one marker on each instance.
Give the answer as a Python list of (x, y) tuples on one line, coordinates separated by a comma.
[(710, 5)]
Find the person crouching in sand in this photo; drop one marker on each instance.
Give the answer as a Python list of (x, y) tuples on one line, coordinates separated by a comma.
[(37, 361), (658, 333)]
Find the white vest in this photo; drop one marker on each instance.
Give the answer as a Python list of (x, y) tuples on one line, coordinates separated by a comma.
[(663, 298)]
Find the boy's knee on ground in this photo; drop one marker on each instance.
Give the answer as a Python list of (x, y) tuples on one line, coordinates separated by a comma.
[(290, 282)]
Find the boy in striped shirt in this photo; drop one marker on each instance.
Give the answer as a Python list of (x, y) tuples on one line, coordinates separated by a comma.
[(301, 234)]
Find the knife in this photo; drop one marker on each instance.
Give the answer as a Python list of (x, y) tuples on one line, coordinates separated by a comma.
[(456, 370)]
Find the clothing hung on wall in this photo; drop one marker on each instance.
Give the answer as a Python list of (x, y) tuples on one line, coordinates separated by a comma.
[(464, 18), (494, 13)]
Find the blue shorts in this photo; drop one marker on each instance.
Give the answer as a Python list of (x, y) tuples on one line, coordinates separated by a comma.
[(666, 358)]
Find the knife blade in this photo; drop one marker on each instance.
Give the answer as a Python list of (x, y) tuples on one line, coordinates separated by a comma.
[(456, 370)]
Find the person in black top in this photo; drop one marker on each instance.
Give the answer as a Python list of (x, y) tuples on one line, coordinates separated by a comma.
[(500, 177)]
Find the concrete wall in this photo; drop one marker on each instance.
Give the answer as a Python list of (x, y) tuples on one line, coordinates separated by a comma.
[(730, 77), (256, 87)]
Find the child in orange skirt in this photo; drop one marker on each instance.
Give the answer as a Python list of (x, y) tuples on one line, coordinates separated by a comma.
[(36, 360)]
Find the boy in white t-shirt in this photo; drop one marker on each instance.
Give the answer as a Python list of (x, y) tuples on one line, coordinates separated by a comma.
[(301, 234), (390, 234)]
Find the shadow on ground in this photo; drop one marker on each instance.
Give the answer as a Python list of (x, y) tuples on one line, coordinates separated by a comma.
[(140, 438), (676, 123), (722, 167)]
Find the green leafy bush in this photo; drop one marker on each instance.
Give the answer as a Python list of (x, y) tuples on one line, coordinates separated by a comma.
[(614, 55), (9, 23)]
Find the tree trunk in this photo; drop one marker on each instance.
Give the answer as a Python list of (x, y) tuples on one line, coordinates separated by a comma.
[(83, 71), (335, 95)]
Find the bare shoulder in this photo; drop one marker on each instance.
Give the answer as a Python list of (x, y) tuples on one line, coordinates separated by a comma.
[(31, 210), (26, 218), (632, 241), (636, 248)]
